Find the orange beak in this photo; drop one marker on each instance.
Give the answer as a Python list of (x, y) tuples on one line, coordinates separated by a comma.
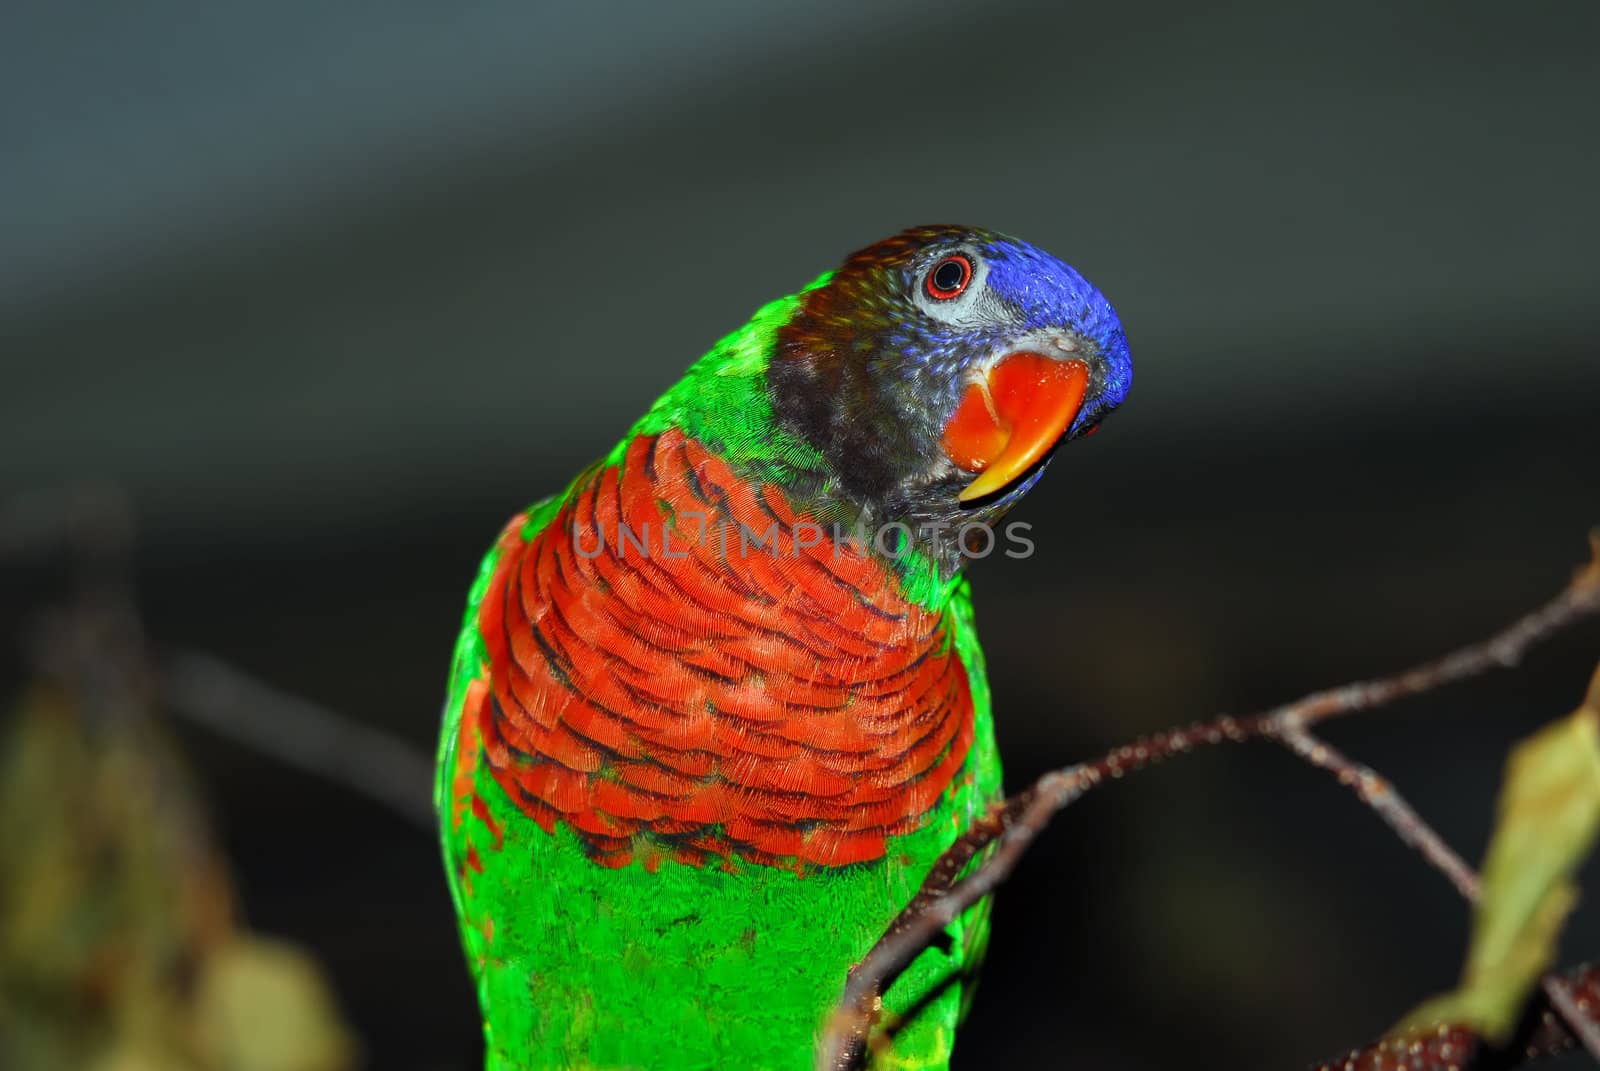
[(1010, 420)]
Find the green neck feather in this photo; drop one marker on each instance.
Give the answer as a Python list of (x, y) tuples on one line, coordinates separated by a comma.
[(722, 402)]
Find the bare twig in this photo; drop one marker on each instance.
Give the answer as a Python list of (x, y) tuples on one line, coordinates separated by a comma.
[(1576, 1006), (1504, 650), (98, 639), (209, 692), (1019, 819), (1011, 828), (1377, 793)]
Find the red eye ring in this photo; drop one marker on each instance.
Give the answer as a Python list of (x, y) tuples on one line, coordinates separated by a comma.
[(943, 284)]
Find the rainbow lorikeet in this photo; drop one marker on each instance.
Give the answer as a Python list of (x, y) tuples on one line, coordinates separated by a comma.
[(718, 706)]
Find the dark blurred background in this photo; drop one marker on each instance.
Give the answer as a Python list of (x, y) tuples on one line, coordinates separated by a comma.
[(332, 290)]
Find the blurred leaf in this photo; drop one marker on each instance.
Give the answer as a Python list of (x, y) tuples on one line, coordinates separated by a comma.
[(119, 949), (1549, 812), (264, 1006)]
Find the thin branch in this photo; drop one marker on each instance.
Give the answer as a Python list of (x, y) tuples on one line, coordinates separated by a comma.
[(207, 691), (1573, 1005), (1012, 827), (1380, 795), (1576, 1006), (1504, 650), (99, 640), (1009, 829), (912, 931)]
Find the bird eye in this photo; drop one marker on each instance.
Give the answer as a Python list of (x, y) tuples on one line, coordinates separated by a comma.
[(948, 278)]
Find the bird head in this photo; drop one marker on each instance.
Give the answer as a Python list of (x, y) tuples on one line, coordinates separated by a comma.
[(937, 371)]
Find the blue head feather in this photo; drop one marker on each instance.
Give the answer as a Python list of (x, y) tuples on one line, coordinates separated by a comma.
[(1044, 292)]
